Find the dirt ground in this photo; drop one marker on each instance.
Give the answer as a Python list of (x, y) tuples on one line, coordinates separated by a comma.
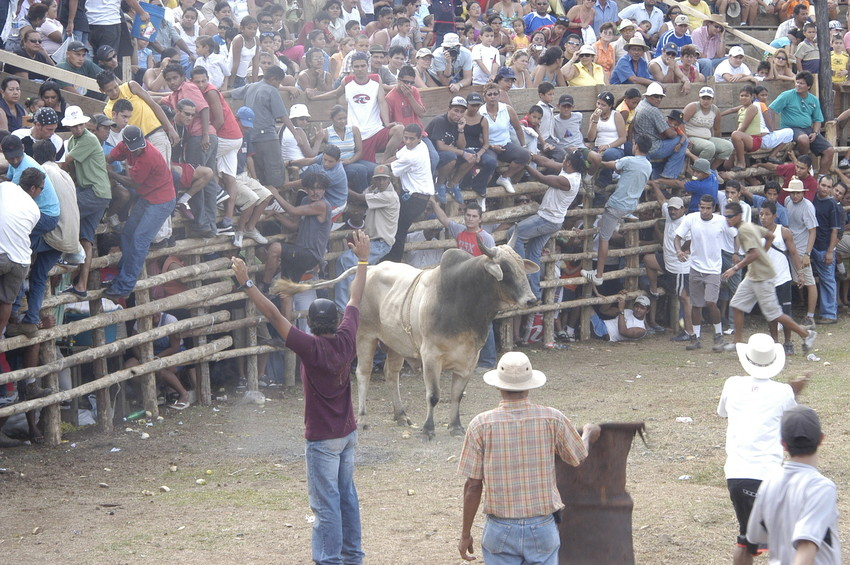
[(97, 498)]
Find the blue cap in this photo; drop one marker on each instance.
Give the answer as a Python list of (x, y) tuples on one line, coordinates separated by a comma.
[(246, 116)]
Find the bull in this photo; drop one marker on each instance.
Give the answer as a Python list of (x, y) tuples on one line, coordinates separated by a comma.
[(439, 316)]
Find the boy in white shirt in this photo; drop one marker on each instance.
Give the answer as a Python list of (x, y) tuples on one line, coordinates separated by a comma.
[(485, 57)]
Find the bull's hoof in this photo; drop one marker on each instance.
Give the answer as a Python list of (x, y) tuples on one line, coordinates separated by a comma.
[(428, 434), (457, 431), (403, 420)]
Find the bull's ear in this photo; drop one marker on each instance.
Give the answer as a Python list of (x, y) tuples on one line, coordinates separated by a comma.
[(494, 269), (530, 267)]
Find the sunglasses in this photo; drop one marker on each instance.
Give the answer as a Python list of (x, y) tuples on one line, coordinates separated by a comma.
[(34, 40), (408, 82), (573, 43), (729, 215), (188, 114)]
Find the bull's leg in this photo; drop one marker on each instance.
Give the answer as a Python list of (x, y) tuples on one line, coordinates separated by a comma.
[(431, 375), (458, 386), (392, 367), (365, 353)]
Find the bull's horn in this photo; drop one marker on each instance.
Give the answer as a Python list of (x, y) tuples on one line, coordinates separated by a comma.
[(512, 240), (484, 249)]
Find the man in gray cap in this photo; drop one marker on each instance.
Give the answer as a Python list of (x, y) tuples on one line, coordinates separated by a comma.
[(796, 512), (522, 497), (77, 62)]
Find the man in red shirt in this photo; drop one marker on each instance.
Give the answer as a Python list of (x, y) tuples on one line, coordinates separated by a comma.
[(331, 430), (800, 169), (151, 178), (202, 146)]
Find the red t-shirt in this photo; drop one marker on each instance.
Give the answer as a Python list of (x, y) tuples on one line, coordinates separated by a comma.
[(230, 128), (190, 90), (326, 376), (788, 171), (150, 171), (401, 110)]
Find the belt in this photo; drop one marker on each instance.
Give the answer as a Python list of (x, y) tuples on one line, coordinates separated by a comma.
[(154, 130), (265, 131), (419, 195)]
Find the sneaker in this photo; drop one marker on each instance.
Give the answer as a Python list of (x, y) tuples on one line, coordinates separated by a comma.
[(827, 321), (808, 322), (185, 211), (256, 236), (34, 391), (113, 220), (237, 239), (809, 341), (456, 193), (28, 330), (682, 336), (789, 349), (562, 336), (657, 329), (224, 229), (440, 193), (221, 197), (506, 183), (844, 163), (482, 202), (591, 277), (731, 347), (718, 343), (694, 343)]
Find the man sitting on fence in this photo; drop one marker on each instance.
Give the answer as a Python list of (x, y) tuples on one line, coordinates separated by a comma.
[(19, 215), (666, 150)]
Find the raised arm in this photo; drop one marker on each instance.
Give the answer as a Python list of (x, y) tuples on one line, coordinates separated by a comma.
[(263, 304), (361, 249)]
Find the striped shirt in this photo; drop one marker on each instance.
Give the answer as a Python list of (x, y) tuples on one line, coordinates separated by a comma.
[(512, 449)]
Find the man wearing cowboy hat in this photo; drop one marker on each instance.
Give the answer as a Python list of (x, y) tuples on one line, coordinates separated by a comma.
[(757, 286), (632, 68), (522, 496), (754, 404)]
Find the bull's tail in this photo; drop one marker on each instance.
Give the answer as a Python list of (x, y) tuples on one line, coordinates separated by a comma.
[(285, 287)]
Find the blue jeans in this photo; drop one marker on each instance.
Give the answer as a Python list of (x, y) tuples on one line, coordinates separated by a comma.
[(359, 175), (487, 357), (333, 499), (606, 175), (707, 66), (532, 234), (377, 250), (827, 292), (674, 160), (46, 257), (486, 167), (521, 540), (141, 227), (432, 153)]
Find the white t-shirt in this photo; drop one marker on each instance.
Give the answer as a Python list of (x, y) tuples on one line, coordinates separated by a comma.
[(778, 255), (671, 262), (726, 68), (487, 55), (706, 241), (363, 108), (103, 12), (754, 408), (413, 168), (18, 216), (556, 202), (217, 66), (613, 325)]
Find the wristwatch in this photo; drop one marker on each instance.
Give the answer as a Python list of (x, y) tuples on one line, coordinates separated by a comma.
[(248, 284)]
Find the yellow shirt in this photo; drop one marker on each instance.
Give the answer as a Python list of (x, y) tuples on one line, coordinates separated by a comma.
[(142, 117), (522, 42), (693, 21), (585, 78), (839, 63)]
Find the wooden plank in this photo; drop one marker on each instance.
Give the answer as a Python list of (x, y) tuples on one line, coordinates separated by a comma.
[(686, 9), (29, 88), (49, 71)]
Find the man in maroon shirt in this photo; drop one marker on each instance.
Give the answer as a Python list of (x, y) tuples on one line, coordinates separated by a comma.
[(150, 177), (800, 169), (331, 429)]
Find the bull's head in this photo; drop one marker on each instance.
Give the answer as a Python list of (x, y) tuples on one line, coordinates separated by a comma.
[(506, 266)]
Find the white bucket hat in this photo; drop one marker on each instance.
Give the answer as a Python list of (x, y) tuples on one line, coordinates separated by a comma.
[(654, 89), (761, 357), (299, 111), (514, 373), (74, 116)]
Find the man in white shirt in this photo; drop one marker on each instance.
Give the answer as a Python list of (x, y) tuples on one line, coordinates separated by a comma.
[(753, 405), (18, 216), (106, 25), (733, 69), (412, 166)]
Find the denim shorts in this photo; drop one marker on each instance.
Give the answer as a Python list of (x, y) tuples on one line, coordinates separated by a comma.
[(92, 208)]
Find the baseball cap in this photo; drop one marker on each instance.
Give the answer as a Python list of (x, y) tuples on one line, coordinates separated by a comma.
[(133, 138), (671, 48), (381, 171), (77, 46), (424, 52), (299, 111), (702, 165), (676, 202), (474, 98), (706, 91), (458, 101), (246, 116), (642, 300), (736, 51), (801, 427), (104, 53), (12, 147), (795, 185), (377, 48), (681, 19), (46, 117), (566, 100), (835, 24), (102, 120), (506, 72)]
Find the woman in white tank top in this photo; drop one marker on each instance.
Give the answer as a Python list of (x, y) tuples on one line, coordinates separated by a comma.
[(608, 132)]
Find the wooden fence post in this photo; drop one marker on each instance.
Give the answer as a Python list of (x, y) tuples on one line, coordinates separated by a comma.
[(203, 392), (147, 380)]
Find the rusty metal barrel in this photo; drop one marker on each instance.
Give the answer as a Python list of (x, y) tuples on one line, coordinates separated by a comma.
[(596, 523)]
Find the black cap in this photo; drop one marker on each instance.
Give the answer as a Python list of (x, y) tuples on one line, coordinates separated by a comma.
[(801, 427), (566, 100), (12, 147), (677, 115), (322, 311), (133, 138), (474, 98)]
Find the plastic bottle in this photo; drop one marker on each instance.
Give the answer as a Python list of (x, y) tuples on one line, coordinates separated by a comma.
[(137, 415)]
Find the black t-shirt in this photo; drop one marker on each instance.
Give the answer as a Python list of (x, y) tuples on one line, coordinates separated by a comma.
[(31, 75), (442, 129)]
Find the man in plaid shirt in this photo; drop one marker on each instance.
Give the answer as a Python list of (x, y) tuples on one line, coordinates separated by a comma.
[(518, 464)]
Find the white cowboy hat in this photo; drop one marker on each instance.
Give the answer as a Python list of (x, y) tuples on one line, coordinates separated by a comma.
[(514, 373), (761, 357)]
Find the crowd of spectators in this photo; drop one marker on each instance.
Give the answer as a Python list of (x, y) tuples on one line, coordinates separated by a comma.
[(167, 143)]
